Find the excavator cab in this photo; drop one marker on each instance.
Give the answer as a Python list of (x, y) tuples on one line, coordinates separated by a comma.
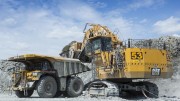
[(95, 46), (100, 44)]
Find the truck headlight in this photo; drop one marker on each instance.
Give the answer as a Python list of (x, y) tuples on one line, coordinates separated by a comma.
[(34, 74)]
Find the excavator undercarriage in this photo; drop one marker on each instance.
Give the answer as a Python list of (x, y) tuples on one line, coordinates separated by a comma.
[(105, 88)]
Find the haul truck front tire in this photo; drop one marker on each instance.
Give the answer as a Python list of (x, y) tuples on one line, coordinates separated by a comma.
[(47, 87)]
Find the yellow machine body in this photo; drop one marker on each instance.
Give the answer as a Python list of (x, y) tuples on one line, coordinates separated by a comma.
[(138, 64), (118, 64), (147, 63)]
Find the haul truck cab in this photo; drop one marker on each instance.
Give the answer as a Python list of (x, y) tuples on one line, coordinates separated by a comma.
[(50, 76)]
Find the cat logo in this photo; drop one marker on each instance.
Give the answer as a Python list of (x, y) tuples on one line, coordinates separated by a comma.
[(155, 71), (136, 55)]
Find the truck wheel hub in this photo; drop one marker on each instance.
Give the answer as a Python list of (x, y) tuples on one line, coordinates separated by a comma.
[(48, 87), (76, 86)]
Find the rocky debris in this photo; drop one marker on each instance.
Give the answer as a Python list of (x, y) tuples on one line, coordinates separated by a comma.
[(172, 44), (66, 50)]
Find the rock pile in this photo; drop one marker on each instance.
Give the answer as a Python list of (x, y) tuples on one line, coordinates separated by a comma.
[(170, 43)]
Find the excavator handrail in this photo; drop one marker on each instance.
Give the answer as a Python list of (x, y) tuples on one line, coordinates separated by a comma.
[(85, 27)]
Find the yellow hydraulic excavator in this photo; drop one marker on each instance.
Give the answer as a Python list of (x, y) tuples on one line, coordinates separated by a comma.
[(122, 66)]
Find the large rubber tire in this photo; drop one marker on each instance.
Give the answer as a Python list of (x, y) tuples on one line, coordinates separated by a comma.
[(21, 94), (75, 87), (47, 87), (152, 89)]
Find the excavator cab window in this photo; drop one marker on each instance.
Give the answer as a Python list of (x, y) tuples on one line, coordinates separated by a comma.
[(106, 44), (88, 48), (96, 44), (102, 43)]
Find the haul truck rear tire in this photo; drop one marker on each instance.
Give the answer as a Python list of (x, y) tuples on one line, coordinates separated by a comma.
[(75, 87), (47, 87), (21, 94)]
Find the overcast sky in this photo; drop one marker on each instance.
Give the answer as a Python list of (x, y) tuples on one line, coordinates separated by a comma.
[(45, 26)]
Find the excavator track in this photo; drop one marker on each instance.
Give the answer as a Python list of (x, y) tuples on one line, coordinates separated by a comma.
[(151, 90), (102, 88), (107, 88)]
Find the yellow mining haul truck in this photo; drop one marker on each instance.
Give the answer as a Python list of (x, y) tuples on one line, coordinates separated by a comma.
[(50, 76)]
